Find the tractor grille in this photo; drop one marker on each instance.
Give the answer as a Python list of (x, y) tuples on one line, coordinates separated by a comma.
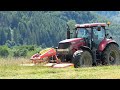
[(64, 45)]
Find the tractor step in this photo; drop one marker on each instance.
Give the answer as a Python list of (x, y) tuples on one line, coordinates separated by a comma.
[(61, 65)]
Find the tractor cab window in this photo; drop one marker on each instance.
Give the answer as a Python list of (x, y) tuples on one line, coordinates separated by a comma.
[(83, 32), (98, 34)]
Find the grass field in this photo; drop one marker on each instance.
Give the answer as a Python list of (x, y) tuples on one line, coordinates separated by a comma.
[(11, 69)]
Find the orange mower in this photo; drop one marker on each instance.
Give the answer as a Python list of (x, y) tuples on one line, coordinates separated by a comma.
[(48, 56)]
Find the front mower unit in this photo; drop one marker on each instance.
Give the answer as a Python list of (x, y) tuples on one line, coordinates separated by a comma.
[(49, 57), (46, 55)]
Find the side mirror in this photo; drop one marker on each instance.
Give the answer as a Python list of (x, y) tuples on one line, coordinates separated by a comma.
[(110, 38), (107, 35), (99, 28)]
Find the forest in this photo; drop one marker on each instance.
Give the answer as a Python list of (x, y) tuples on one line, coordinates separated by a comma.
[(47, 28)]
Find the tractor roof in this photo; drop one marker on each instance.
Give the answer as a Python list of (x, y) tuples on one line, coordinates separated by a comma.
[(88, 25)]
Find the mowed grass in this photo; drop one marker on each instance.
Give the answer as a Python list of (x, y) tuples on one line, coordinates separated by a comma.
[(11, 69)]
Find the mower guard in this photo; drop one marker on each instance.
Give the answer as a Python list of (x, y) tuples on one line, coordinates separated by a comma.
[(61, 65), (53, 65)]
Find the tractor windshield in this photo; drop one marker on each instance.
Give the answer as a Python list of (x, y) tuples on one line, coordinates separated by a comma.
[(83, 32)]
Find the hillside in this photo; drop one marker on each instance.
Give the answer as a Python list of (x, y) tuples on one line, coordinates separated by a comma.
[(108, 14), (45, 28)]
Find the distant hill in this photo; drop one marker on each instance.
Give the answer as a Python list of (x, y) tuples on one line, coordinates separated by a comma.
[(108, 13)]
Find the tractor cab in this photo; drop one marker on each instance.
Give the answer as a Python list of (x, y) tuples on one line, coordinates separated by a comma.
[(92, 33)]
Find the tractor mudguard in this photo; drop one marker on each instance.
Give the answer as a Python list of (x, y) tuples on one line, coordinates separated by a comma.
[(86, 48), (92, 53), (104, 43)]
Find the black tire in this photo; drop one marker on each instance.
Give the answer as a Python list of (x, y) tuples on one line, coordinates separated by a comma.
[(111, 55), (82, 59)]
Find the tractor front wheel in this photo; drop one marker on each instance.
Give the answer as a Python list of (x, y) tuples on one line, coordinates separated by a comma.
[(111, 55), (82, 59)]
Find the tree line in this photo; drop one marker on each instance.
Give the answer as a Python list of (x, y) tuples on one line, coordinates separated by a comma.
[(44, 28)]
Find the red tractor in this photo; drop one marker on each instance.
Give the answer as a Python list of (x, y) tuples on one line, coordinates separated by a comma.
[(89, 46)]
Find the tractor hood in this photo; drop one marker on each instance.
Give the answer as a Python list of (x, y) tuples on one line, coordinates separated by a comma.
[(68, 46), (71, 40)]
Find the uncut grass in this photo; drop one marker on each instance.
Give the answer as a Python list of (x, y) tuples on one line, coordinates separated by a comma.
[(10, 69)]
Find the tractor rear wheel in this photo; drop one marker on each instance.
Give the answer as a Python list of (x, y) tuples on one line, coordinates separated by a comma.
[(111, 55), (82, 59)]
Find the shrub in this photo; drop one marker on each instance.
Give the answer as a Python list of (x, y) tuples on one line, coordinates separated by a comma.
[(4, 51), (30, 48), (20, 53)]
